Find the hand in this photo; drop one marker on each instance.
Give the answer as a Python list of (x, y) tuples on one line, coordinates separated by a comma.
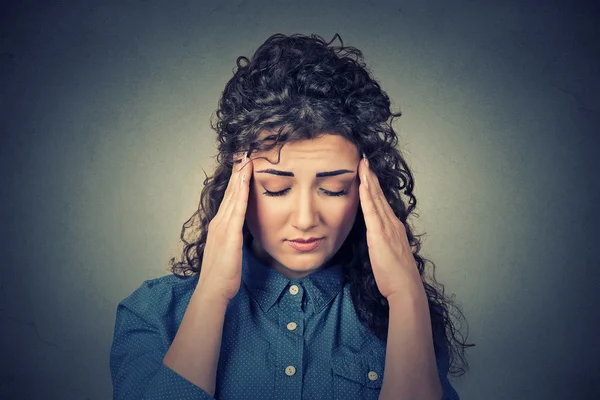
[(221, 270), (392, 261)]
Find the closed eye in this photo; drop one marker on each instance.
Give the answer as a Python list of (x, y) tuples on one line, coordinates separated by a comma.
[(327, 192)]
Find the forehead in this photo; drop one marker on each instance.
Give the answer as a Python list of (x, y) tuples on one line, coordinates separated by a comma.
[(326, 147)]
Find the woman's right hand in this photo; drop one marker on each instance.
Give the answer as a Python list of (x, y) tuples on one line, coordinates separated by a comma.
[(221, 271)]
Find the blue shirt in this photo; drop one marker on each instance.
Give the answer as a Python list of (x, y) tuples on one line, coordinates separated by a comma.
[(282, 339)]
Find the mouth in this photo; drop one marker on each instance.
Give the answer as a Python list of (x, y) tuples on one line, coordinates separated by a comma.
[(307, 245), (309, 240)]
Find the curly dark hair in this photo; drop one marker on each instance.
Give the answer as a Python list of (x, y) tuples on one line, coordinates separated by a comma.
[(301, 87)]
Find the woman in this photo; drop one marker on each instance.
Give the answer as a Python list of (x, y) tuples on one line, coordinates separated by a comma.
[(251, 312)]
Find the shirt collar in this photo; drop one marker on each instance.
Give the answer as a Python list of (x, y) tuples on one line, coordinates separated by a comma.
[(266, 284)]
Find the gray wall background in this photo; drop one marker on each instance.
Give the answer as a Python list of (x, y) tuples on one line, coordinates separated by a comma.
[(105, 109)]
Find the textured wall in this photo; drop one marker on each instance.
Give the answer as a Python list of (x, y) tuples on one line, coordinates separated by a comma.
[(105, 111)]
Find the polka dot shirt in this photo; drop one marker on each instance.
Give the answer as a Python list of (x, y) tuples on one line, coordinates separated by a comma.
[(282, 339)]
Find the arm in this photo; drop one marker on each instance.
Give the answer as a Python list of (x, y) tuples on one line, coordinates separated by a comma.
[(410, 365), (194, 353), (141, 339)]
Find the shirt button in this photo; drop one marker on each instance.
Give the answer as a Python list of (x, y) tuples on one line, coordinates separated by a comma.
[(291, 326), (294, 289), (372, 375), (289, 371)]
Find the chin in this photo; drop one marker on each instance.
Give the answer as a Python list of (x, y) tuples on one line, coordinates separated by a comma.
[(306, 261)]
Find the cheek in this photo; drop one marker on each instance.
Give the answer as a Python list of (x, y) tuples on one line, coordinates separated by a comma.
[(342, 214), (350, 209), (353, 201), (260, 211)]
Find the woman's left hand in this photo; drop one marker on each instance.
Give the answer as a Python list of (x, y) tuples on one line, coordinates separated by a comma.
[(392, 261)]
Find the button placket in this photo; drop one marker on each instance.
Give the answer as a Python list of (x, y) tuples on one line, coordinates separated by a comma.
[(290, 347), (294, 299)]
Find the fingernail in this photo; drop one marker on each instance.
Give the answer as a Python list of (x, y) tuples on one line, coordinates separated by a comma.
[(244, 158), (365, 158)]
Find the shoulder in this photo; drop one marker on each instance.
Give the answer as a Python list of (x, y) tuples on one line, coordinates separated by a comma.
[(168, 284), (162, 294), (171, 281)]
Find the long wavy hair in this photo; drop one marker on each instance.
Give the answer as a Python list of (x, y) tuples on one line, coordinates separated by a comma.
[(300, 87)]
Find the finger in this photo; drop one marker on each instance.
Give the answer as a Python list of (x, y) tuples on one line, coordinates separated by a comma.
[(233, 180), (232, 186), (380, 202), (370, 210), (378, 195), (240, 203), (239, 194)]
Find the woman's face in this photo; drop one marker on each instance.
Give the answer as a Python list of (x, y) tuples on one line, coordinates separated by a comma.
[(306, 208)]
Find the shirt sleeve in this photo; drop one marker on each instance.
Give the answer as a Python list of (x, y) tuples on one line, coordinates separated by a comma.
[(139, 345)]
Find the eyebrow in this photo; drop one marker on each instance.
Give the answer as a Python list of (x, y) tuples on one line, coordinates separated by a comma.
[(318, 175)]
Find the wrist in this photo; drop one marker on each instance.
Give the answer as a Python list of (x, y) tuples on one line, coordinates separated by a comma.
[(411, 294), (212, 296)]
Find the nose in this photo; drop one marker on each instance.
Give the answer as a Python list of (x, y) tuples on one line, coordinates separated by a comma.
[(305, 215)]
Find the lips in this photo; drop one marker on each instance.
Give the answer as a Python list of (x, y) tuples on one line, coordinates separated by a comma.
[(310, 240), (305, 246)]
